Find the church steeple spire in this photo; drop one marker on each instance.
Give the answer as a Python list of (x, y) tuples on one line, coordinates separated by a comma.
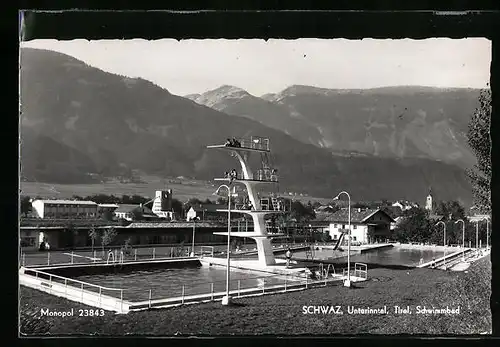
[(429, 202)]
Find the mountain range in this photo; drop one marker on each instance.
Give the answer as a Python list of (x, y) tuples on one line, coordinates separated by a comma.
[(391, 122), (78, 123)]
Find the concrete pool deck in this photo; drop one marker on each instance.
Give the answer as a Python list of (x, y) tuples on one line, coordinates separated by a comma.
[(253, 265)]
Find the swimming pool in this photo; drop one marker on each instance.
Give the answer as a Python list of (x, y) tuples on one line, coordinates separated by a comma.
[(388, 256), (168, 283)]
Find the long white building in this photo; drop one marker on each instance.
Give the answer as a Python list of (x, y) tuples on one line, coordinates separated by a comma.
[(64, 209)]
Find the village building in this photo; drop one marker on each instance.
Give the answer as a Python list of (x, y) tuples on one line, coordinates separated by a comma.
[(106, 209), (367, 225), (64, 209), (405, 205), (206, 212), (134, 212)]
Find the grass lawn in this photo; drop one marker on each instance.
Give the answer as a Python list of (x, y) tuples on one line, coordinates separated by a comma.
[(282, 314), (181, 189)]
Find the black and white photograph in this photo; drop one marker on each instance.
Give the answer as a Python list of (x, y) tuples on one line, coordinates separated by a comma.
[(214, 187)]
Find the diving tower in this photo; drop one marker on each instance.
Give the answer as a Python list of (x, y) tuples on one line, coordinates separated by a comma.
[(254, 182)]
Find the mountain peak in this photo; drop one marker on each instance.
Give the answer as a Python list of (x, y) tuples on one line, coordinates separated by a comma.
[(228, 89), (215, 96)]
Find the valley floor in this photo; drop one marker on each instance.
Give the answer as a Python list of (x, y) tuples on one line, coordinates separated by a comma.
[(283, 314)]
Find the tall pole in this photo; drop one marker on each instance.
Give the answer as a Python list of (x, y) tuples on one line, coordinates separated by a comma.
[(192, 243), (487, 233), (347, 283), (349, 244), (228, 242), (227, 300), (444, 241), (477, 234), (463, 237)]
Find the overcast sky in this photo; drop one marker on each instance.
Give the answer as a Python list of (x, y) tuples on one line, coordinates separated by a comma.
[(196, 66)]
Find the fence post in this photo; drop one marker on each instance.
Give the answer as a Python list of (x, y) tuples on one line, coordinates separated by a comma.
[(94, 256), (100, 290), (212, 290), (171, 252), (306, 281), (154, 251), (135, 254), (239, 288), (286, 276), (183, 294), (71, 257), (82, 292), (50, 283), (48, 258), (263, 285), (150, 298)]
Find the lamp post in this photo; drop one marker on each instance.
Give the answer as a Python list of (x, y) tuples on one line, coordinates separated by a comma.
[(444, 242), (487, 233), (463, 238), (194, 219), (227, 299), (347, 282), (477, 234)]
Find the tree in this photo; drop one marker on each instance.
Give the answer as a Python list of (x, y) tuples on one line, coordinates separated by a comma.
[(94, 235), (178, 208), (137, 199), (107, 215), (316, 204), (302, 213), (137, 214), (414, 227), (478, 138), (107, 237), (25, 205), (69, 234), (359, 205)]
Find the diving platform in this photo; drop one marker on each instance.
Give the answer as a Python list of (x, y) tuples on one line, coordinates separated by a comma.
[(242, 180), (251, 211), (232, 148), (258, 206), (253, 144)]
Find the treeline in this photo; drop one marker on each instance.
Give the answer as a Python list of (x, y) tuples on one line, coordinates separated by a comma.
[(297, 212), (418, 225)]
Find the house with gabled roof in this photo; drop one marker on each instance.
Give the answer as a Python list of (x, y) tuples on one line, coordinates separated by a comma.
[(131, 212), (206, 212), (367, 225)]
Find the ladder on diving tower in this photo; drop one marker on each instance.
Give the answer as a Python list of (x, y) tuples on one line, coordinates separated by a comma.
[(310, 252), (275, 203), (264, 158)]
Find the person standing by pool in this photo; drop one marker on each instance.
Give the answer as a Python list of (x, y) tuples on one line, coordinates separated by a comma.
[(288, 256)]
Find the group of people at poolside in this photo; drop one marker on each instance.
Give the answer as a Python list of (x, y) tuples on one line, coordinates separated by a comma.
[(232, 143), (232, 175)]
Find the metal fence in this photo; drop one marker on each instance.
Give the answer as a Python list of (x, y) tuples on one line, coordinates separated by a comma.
[(70, 285), (192, 291), (106, 256)]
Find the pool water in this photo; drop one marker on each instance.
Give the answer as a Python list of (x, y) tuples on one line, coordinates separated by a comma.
[(389, 256), (167, 283)]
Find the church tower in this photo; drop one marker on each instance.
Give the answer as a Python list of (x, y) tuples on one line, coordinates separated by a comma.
[(429, 202)]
